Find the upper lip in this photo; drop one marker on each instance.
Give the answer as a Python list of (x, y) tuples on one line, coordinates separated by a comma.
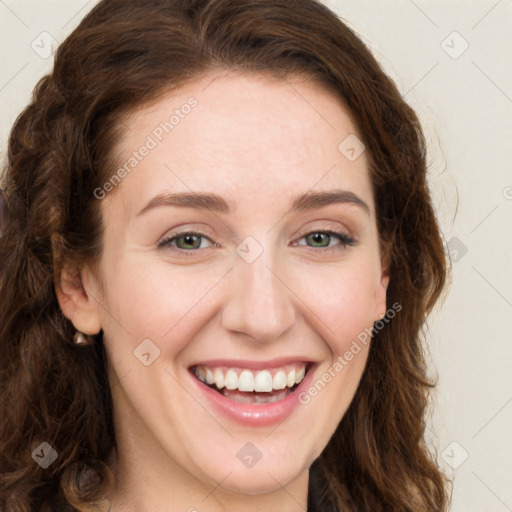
[(251, 364)]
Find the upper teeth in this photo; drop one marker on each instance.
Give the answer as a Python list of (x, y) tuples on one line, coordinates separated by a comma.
[(250, 380)]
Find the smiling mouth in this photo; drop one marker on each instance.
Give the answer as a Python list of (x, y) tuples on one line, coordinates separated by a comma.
[(253, 386)]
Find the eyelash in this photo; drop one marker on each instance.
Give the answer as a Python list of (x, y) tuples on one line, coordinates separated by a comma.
[(345, 240)]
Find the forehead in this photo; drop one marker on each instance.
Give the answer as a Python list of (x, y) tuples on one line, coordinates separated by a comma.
[(241, 136)]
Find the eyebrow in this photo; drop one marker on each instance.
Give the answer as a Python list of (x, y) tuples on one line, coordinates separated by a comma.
[(215, 203)]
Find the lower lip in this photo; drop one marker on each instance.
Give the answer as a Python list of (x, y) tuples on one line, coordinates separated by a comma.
[(255, 414)]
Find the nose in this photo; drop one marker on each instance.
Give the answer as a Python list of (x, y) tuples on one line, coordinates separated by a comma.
[(260, 303)]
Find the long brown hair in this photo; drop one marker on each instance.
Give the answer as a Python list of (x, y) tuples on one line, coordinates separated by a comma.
[(122, 56)]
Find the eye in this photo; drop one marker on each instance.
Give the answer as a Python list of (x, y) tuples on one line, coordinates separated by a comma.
[(186, 241), (321, 240), (189, 241)]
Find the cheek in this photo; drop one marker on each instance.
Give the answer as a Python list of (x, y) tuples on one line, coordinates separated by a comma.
[(152, 300), (342, 299)]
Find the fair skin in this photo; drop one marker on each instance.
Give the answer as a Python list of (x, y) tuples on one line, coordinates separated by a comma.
[(257, 143)]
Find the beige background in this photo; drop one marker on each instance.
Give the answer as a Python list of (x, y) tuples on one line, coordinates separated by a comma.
[(452, 61)]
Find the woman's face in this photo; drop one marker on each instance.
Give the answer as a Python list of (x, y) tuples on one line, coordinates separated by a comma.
[(256, 294)]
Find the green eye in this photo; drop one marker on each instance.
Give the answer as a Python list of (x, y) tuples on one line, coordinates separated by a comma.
[(321, 240), (190, 240), (314, 238)]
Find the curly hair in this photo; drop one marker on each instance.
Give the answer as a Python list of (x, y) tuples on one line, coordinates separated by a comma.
[(123, 56)]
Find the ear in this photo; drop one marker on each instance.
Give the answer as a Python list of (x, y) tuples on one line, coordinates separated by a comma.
[(76, 299), (382, 285)]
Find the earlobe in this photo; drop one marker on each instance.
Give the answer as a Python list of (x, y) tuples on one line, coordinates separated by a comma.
[(385, 266), (382, 286), (385, 272), (76, 302)]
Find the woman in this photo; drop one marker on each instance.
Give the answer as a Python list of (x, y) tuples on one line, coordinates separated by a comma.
[(221, 253)]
